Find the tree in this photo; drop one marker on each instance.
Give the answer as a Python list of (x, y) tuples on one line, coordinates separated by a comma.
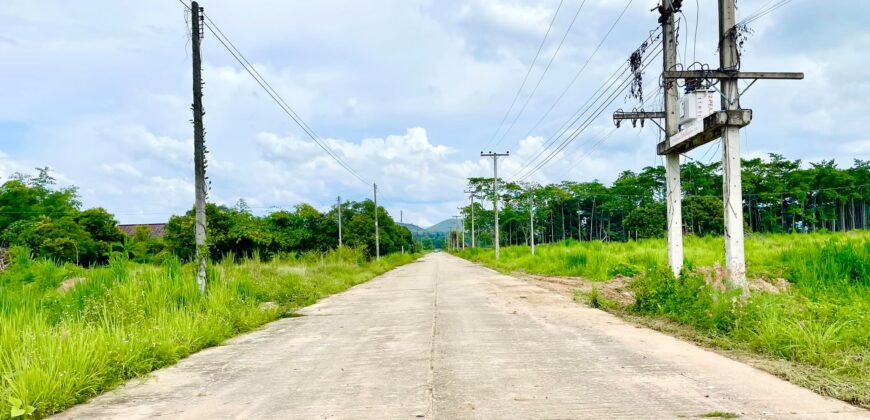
[(647, 221)]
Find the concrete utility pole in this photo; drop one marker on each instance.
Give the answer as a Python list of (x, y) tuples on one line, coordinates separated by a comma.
[(732, 184), (472, 194), (532, 223), (592, 219), (579, 225), (674, 193), (200, 186), (377, 231), (402, 222), (462, 232), (456, 233), (495, 157), (339, 221)]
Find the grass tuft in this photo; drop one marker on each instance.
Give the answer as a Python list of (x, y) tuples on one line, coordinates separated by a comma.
[(720, 414)]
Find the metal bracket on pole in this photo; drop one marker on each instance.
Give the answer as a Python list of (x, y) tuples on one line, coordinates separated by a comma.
[(730, 74), (634, 116)]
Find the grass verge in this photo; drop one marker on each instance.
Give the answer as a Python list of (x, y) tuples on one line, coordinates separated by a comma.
[(813, 330), (59, 348)]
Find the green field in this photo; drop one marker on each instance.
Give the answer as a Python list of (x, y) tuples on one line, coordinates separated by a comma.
[(815, 332), (59, 348)]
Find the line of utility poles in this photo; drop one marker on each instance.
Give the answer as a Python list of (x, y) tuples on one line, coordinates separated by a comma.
[(724, 123), (200, 185), (495, 229), (472, 194)]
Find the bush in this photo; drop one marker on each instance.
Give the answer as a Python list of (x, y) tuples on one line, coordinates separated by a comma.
[(688, 299)]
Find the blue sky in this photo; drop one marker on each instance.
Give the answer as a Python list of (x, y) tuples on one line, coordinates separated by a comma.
[(407, 91)]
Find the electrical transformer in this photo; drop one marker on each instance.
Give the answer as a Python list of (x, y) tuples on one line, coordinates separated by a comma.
[(696, 105)]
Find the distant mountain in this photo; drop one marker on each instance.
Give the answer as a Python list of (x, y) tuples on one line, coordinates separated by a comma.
[(443, 226), (415, 230), (433, 236)]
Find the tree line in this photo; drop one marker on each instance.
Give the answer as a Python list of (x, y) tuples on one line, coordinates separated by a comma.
[(779, 195), (49, 220)]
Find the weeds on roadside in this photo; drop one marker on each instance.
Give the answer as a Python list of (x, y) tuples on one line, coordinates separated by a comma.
[(127, 319)]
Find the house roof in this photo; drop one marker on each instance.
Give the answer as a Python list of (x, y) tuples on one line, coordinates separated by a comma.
[(156, 230)]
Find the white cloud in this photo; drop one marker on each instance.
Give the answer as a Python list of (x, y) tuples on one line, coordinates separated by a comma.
[(858, 147), (122, 169), (509, 14), (8, 166)]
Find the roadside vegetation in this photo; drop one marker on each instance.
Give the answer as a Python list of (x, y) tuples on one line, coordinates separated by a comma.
[(84, 306), (48, 219), (779, 196), (808, 313), (69, 333)]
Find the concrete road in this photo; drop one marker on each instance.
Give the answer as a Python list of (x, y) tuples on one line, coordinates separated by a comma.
[(444, 338)]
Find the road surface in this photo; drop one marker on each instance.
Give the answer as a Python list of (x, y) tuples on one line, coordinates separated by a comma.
[(444, 338)]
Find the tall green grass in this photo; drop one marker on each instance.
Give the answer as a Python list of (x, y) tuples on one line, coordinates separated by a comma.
[(821, 323), (127, 319), (604, 260)]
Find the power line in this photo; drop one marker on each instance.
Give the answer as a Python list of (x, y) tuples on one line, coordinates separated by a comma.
[(584, 153), (574, 117), (763, 11), (581, 110), (586, 107), (543, 74), (586, 123), (580, 71), (279, 100), (526, 77)]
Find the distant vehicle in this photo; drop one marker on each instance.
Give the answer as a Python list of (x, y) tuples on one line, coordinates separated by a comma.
[(437, 250)]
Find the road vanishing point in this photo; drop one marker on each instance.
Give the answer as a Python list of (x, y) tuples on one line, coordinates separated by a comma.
[(443, 338)]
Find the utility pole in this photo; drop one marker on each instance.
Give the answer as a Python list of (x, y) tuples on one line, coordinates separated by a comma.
[(402, 222), (377, 231), (672, 160), (592, 220), (579, 225), (462, 232), (339, 222), (532, 222), (456, 233), (472, 194), (198, 149), (495, 157), (732, 184)]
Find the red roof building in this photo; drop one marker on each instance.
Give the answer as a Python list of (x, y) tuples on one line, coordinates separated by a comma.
[(155, 230)]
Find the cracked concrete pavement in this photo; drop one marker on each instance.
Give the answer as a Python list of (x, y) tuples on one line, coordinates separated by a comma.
[(444, 338)]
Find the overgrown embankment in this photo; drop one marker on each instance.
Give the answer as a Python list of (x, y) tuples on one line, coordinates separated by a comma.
[(60, 347), (813, 330)]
